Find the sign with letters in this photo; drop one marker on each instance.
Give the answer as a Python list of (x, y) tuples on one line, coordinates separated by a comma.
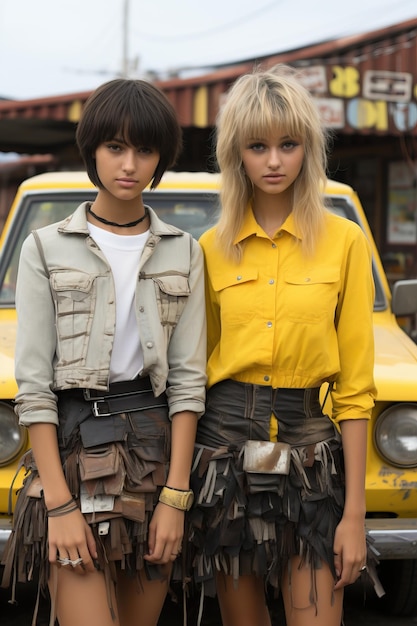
[(377, 101)]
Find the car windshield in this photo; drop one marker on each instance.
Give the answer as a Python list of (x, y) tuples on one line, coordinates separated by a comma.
[(194, 212)]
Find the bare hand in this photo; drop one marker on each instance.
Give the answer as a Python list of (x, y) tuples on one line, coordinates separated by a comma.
[(70, 538), (165, 536), (349, 551)]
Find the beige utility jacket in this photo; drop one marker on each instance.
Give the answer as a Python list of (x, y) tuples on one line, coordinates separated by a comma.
[(66, 317)]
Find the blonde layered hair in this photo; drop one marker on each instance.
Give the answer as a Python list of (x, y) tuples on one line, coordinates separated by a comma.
[(257, 105)]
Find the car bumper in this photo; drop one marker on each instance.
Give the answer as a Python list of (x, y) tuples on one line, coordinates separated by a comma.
[(394, 538), (5, 530)]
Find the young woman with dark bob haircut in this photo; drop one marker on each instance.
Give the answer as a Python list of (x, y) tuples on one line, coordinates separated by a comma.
[(279, 484), (110, 365)]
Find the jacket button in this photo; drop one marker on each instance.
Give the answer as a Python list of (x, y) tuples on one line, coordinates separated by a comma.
[(149, 344)]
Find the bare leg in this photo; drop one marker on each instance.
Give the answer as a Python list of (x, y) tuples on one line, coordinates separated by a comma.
[(296, 590), (82, 599), (244, 604), (144, 598)]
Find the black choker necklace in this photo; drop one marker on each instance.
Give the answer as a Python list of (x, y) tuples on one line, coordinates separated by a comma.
[(108, 223)]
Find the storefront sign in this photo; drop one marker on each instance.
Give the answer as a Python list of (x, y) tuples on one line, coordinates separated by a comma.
[(377, 101)]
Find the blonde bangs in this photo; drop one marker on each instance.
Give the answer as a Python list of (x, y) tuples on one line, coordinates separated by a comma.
[(262, 107)]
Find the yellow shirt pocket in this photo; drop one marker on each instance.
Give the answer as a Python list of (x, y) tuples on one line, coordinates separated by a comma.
[(310, 296), (235, 292)]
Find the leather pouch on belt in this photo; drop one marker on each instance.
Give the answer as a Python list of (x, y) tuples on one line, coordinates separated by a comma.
[(266, 457), (257, 483), (98, 462), (101, 470), (133, 506), (97, 431)]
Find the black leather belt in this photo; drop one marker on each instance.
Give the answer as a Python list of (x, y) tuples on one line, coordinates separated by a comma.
[(125, 387), (123, 397)]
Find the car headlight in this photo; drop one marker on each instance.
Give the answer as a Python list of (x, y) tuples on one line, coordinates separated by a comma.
[(12, 436), (396, 435)]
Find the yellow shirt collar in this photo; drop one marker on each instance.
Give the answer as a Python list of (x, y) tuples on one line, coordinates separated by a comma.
[(250, 227)]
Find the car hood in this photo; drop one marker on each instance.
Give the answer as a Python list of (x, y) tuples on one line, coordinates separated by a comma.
[(395, 364), (8, 385)]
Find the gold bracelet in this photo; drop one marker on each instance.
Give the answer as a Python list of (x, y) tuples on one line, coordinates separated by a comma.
[(177, 498)]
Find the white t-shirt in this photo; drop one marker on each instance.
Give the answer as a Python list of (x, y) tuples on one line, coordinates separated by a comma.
[(123, 253)]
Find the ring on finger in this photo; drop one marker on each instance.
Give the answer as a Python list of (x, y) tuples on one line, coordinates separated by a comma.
[(66, 561)]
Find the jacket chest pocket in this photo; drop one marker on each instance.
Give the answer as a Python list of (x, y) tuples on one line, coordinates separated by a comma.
[(75, 297), (172, 291)]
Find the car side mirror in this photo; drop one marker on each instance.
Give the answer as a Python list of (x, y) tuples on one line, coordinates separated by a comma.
[(404, 297)]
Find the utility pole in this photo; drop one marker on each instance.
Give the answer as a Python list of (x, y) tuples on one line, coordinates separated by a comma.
[(128, 66), (125, 42)]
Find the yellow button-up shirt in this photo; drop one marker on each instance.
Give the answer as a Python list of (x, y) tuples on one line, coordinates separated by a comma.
[(283, 319)]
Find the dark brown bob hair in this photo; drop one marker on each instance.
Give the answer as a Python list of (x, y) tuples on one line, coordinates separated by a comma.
[(136, 111)]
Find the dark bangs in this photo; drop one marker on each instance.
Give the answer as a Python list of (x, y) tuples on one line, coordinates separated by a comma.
[(132, 115)]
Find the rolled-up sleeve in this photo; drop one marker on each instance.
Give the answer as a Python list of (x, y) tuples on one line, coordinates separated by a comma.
[(187, 348), (36, 340), (354, 392)]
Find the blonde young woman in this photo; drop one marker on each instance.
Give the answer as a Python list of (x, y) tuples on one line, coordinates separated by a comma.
[(289, 305)]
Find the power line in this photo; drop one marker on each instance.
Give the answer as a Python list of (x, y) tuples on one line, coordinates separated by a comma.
[(210, 31)]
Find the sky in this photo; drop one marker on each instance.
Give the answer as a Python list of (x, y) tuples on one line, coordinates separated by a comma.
[(52, 47)]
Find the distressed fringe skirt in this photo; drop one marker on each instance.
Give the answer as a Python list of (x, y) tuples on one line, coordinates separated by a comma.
[(115, 450), (252, 522)]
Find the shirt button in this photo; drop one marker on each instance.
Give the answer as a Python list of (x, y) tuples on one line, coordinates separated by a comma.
[(274, 245), (238, 277), (266, 378), (269, 324), (149, 344), (271, 281), (307, 280), (279, 234), (141, 309)]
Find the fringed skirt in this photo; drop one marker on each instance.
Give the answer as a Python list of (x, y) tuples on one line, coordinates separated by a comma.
[(246, 522), (115, 452)]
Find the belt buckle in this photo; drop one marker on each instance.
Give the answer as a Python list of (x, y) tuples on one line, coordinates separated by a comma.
[(96, 409)]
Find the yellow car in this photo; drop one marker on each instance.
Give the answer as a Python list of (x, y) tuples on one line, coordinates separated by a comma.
[(190, 201)]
